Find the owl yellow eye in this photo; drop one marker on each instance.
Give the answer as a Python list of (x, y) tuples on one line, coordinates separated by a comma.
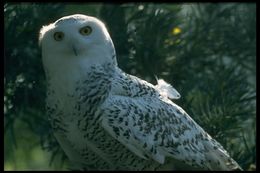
[(85, 30), (58, 36)]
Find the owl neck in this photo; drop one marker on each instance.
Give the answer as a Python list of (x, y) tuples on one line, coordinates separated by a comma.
[(69, 90), (64, 78)]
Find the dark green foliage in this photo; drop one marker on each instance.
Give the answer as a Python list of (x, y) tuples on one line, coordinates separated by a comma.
[(139, 33), (207, 51)]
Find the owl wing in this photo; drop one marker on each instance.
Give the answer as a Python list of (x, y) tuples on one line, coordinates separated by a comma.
[(151, 126), (128, 85)]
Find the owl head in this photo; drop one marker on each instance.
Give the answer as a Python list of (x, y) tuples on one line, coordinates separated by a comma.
[(75, 39)]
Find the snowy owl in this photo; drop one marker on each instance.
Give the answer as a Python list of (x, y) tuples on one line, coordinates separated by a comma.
[(105, 119)]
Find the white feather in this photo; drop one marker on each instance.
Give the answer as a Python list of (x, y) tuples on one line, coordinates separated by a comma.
[(167, 90)]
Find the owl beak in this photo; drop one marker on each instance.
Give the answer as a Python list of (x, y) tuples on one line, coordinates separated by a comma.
[(75, 50)]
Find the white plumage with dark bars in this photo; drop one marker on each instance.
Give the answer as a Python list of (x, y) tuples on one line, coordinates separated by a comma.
[(105, 119)]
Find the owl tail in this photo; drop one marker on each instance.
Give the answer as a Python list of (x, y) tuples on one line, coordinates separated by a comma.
[(218, 159)]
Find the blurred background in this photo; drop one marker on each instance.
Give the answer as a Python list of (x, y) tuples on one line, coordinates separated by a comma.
[(206, 51)]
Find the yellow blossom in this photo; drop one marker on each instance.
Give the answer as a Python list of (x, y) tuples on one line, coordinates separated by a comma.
[(176, 30)]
